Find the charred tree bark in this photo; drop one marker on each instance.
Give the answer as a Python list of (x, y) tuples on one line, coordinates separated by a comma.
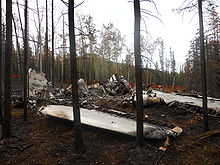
[(19, 15), (64, 56), (1, 75), (52, 63), (25, 59), (6, 127), (209, 66), (22, 30), (19, 51), (39, 39), (203, 67), (46, 46), (79, 144), (138, 74)]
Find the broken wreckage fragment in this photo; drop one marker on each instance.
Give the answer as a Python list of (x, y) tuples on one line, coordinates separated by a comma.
[(108, 122)]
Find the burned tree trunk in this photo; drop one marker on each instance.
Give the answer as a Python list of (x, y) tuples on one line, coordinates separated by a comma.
[(79, 144), (63, 73), (6, 127), (1, 76), (52, 62), (25, 60), (39, 39), (138, 74), (19, 15), (46, 63), (18, 50), (203, 67)]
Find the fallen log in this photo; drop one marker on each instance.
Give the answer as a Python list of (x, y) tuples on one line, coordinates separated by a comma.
[(208, 134)]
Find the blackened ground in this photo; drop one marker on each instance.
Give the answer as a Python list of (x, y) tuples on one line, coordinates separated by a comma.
[(45, 140)]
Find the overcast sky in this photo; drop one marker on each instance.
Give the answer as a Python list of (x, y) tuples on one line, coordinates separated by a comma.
[(176, 30)]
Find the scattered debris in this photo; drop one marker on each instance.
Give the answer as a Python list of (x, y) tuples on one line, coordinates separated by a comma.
[(149, 99), (165, 145), (27, 146), (177, 130), (172, 99)]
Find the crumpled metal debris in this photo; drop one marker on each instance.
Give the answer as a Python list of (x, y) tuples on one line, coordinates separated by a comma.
[(116, 85)]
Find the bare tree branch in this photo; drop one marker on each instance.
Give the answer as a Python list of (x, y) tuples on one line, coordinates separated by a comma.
[(34, 11), (67, 4), (60, 18), (78, 4), (145, 12)]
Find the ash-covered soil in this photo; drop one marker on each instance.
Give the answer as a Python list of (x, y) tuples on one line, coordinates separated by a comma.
[(46, 140)]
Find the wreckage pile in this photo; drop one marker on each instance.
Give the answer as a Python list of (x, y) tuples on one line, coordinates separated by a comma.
[(91, 95), (109, 105), (114, 97), (96, 96)]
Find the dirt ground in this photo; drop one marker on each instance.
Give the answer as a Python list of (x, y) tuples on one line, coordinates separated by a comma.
[(46, 140)]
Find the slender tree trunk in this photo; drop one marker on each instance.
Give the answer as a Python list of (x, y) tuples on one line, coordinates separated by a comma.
[(203, 67), (52, 44), (19, 52), (46, 46), (64, 58), (138, 74), (22, 30), (39, 39), (83, 51), (25, 59), (19, 15), (1, 75), (79, 144), (209, 60), (6, 127)]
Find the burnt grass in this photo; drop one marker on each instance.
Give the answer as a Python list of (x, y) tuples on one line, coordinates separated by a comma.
[(47, 140)]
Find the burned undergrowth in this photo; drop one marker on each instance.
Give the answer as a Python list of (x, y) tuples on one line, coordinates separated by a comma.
[(48, 140)]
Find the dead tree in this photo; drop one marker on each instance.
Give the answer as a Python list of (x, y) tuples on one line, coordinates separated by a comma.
[(22, 30), (39, 39), (18, 50), (138, 74), (79, 144), (19, 15), (52, 63), (63, 74), (6, 127), (1, 76), (203, 67), (46, 46), (25, 59)]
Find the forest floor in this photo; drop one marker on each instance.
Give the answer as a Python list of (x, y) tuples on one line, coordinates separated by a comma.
[(47, 140)]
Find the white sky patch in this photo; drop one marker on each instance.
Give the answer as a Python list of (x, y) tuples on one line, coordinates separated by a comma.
[(177, 31)]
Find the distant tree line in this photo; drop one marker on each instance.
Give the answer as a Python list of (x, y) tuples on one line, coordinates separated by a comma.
[(99, 54), (192, 69)]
